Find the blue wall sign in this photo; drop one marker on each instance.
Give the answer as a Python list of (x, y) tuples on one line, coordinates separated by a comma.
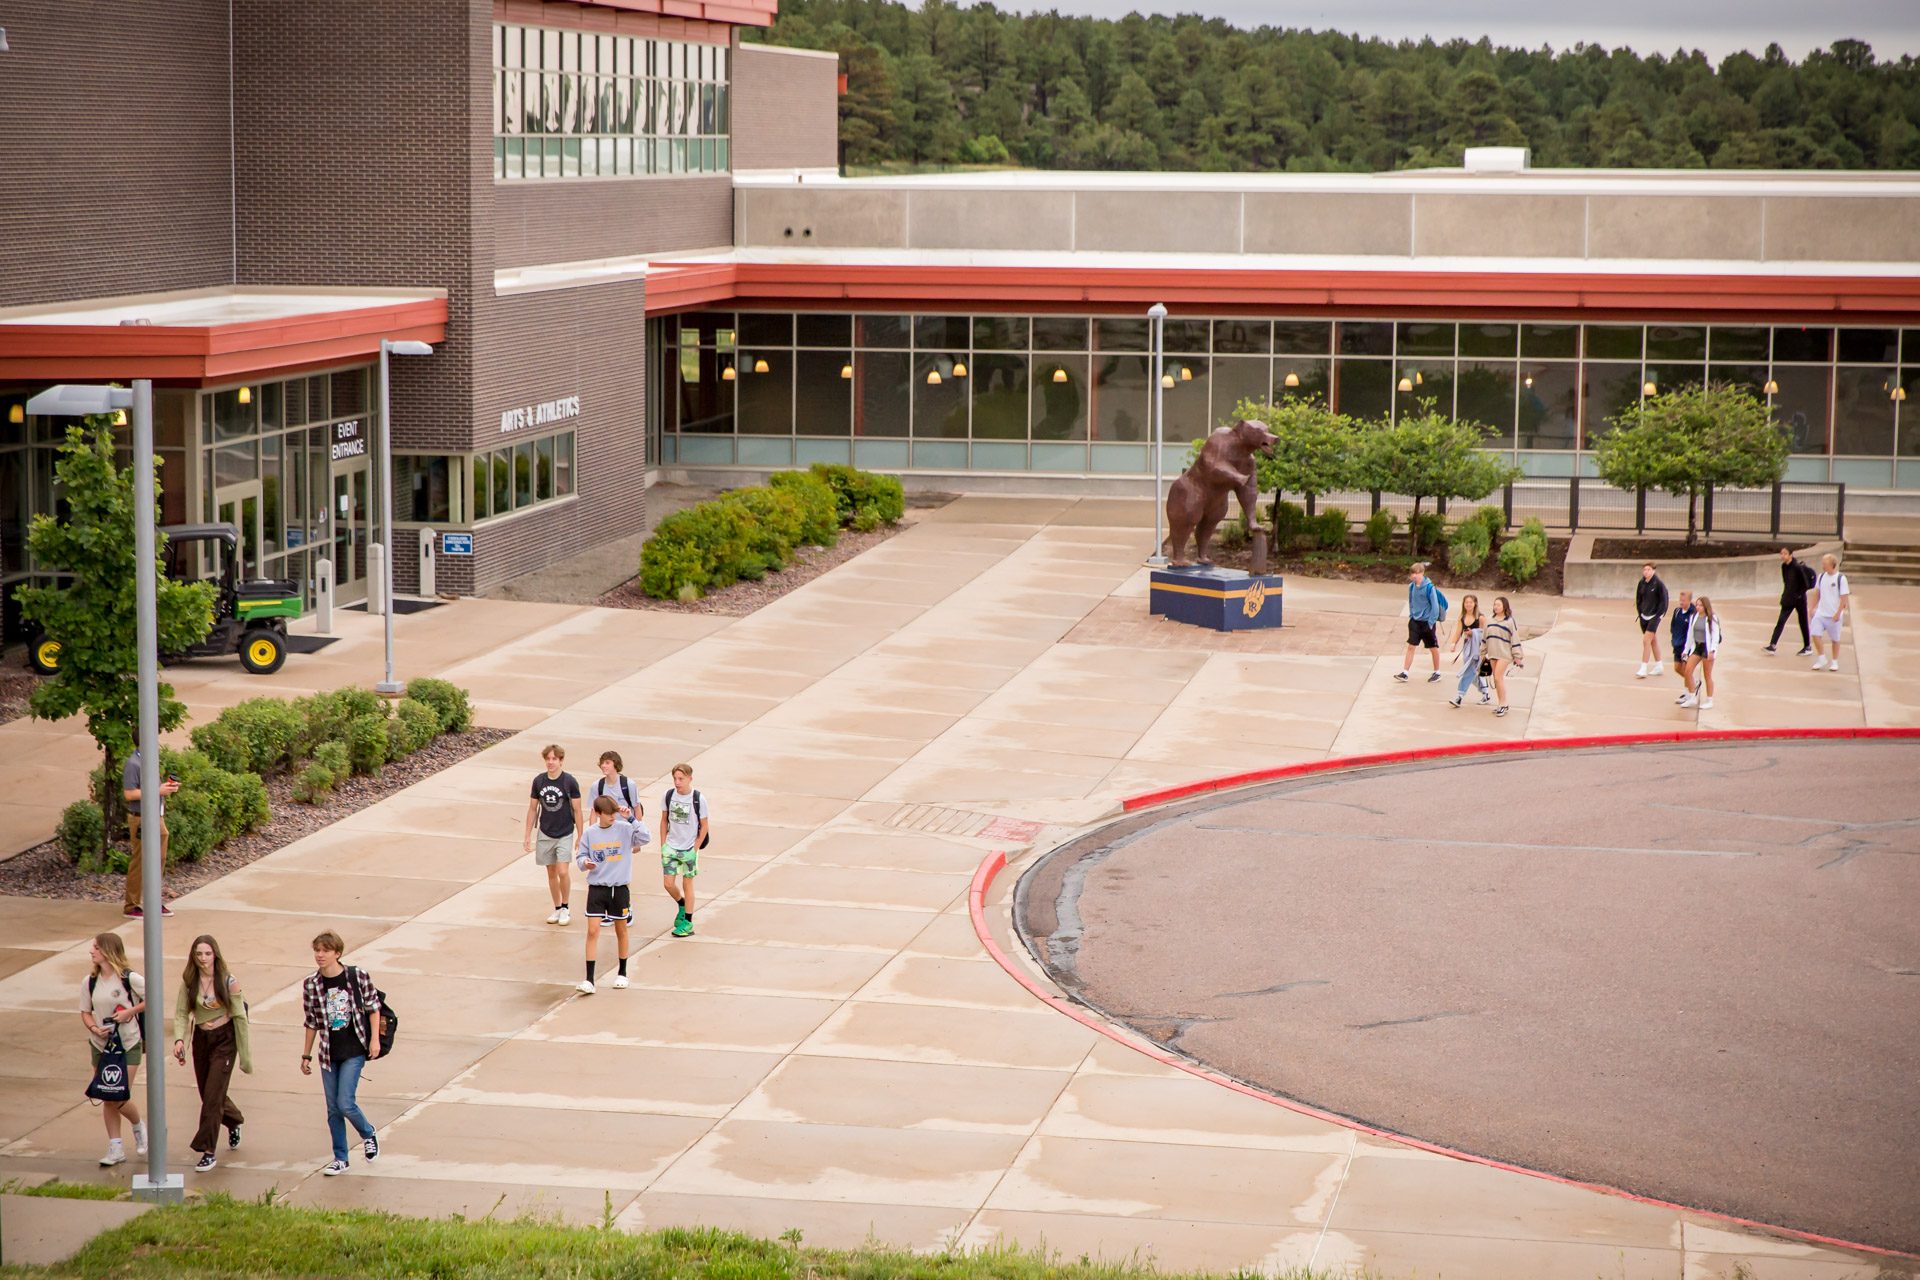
[(456, 544)]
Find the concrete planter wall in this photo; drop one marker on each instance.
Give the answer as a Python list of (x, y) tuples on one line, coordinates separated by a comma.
[(1737, 576)]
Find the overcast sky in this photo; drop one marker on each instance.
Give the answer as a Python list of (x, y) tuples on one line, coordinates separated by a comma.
[(1717, 27)]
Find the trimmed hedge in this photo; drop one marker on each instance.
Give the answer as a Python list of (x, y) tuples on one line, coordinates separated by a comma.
[(1330, 528), (1379, 529), (748, 533), (1467, 548)]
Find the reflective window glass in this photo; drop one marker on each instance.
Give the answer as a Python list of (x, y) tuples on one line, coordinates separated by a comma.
[(882, 392), (999, 333), (1121, 334), (1120, 397), (1730, 342), (1803, 405), (1059, 333), (1863, 411), (1242, 337), (942, 333), (1869, 346), (1615, 342), (1609, 389), (1362, 388), (1302, 337), (940, 395), (1061, 401), (883, 331), (1802, 345), (999, 384), (823, 393), (1676, 342), (824, 331), (1484, 338), (765, 391), (1548, 406), (759, 329), (1485, 392), (1424, 338), (1364, 338), (1550, 341)]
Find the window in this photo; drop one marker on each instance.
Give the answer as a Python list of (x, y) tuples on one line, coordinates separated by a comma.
[(579, 104), (529, 473)]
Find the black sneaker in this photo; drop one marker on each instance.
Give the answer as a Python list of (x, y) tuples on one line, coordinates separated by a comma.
[(1434, 678), (1804, 652), (1768, 649), (206, 1162), (372, 1146), (1401, 677), (233, 1136)]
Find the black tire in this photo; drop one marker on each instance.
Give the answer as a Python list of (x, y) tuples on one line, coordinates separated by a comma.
[(44, 655), (263, 651)]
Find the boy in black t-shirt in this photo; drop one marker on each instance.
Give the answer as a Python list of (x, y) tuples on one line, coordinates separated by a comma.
[(555, 804)]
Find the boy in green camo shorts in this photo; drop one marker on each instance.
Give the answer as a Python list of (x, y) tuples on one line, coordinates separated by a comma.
[(683, 833)]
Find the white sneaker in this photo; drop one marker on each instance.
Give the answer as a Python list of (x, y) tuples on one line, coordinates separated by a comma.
[(1656, 668), (140, 1138), (1820, 663), (619, 981), (564, 917), (1642, 672), (1834, 666), (334, 1168), (116, 1154), (585, 988), (1688, 700), (1706, 704), (553, 917)]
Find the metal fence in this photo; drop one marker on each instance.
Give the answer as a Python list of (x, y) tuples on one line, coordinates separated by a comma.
[(1790, 508)]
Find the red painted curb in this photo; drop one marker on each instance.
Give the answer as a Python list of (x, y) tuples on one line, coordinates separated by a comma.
[(1147, 799), (994, 863)]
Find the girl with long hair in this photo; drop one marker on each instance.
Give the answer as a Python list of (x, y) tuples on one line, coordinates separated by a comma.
[(112, 998), (211, 1003), (1498, 647), (1467, 633), (1703, 644)]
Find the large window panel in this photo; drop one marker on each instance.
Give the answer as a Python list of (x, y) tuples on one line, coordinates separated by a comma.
[(1418, 381), (1549, 405), (1185, 336), (765, 388), (1060, 397), (1122, 334), (1608, 389), (1676, 342), (1672, 377), (824, 331), (1242, 337), (1297, 379), (1739, 343), (1802, 345), (893, 331), (1302, 337), (1550, 341), (1869, 346), (940, 396), (942, 333), (1121, 397), (705, 389), (1485, 392), (1803, 405), (1000, 333), (1425, 338), (1908, 412), (1363, 388), (1489, 339), (1060, 333), (999, 385), (882, 392), (1187, 400), (1862, 411), (1615, 342), (823, 393), (1237, 378)]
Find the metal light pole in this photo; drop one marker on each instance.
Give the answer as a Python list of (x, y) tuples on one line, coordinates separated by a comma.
[(156, 1184), (1157, 315), (403, 348)]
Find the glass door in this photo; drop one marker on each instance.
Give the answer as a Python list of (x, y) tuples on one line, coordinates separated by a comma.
[(349, 515), (240, 505)]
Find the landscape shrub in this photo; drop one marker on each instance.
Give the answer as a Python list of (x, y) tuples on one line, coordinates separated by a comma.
[(697, 548), (261, 735), (1521, 558), (333, 757), (866, 499), (1534, 529), (1467, 548), (1379, 527), (778, 520), (212, 806), (81, 831), (366, 741), (820, 509), (314, 784), (1330, 529), (412, 727), (1428, 530), (1495, 519), (1289, 524), (448, 700)]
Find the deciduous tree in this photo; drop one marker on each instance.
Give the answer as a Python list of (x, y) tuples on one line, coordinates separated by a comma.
[(1687, 441)]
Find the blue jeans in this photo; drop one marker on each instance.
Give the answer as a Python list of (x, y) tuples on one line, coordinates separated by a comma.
[(339, 1082), (1469, 665)]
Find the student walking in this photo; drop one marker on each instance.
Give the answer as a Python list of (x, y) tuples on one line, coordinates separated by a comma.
[(1468, 634), (1499, 649), (112, 998), (136, 867), (1796, 579), (1678, 630), (211, 1002), (1650, 605), (683, 833), (1830, 593), (1703, 642), (341, 1007), (555, 805), (612, 782), (606, 853), (1426, 609)]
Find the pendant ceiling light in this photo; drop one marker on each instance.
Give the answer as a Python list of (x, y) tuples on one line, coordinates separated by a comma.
[(1293, 379), (933, 377), (959, 369), (1059, 375), (246, 395), (726, 374), (846, 371), (1406, 384)]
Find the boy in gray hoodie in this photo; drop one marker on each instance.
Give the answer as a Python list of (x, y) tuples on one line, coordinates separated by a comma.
[(605, 853)]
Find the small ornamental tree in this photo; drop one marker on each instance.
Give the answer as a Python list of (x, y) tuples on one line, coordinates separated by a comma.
[(92, 614), (1684, 442), (1313, 450), (1430, 455)]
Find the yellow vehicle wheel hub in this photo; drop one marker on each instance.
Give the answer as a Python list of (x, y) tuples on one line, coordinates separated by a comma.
[(48, 654), (262, 651)]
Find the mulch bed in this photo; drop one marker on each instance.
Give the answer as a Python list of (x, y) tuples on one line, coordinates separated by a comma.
[(1359, 564), (44, 871), (16, 686), (1640, 549)]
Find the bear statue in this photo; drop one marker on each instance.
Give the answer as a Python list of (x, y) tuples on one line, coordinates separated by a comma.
[(1197, 501)]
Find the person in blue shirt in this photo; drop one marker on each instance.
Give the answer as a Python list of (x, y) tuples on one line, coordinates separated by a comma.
[(1425, 609), (605, 853), (1677, 628)]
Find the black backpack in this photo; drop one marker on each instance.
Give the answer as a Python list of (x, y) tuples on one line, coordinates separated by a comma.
[(666, 802), (389, 1020)]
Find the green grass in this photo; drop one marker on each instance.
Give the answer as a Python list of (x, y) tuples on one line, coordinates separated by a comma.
[(64, 1190), (224, 1238)]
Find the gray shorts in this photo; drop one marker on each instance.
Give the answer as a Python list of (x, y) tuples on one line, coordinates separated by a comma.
[(549, 851)]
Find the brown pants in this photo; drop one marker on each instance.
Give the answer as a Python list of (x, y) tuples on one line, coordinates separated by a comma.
[(136, 871), (214, 1053)]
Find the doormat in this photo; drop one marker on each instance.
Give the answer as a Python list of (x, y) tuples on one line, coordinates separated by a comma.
[(404, 606), (309, 644)]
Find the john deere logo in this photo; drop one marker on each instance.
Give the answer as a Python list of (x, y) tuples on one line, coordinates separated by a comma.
[(1256, 598)]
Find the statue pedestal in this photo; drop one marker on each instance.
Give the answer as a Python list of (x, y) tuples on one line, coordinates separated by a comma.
[(1223, 599)]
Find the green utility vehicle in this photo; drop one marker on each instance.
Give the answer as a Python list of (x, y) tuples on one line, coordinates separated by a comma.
[(249, 618)]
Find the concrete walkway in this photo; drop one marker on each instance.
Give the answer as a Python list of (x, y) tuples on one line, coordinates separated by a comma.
[(833, 1051)]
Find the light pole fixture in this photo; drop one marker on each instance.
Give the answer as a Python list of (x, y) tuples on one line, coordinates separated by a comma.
[(388, 347), (70, 401), (1157, 322)]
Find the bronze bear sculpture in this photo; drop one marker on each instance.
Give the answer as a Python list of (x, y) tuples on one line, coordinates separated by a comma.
[(1197, 501)]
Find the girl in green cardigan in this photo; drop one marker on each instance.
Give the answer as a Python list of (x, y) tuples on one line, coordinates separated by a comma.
[(210, 1001)]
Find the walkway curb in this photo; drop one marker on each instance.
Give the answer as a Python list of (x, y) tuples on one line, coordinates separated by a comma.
[(994, 863)]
